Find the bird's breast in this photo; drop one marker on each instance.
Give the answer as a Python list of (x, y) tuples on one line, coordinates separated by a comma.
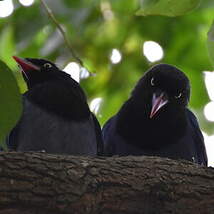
[(59, 99), (154, 133)]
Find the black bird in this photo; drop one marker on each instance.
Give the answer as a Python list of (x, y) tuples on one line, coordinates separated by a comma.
[(155, 120), (56, 117)]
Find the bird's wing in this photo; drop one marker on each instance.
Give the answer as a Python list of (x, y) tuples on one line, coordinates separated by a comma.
[(198, 138), (109, 136), (11, 138), (100, 146)]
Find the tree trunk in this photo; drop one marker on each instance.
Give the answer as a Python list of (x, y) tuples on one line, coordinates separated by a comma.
[(44, 183)]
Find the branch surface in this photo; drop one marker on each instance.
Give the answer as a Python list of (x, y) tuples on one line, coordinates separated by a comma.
[(45, 183)]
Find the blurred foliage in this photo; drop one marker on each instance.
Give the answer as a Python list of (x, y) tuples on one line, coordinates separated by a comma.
[(210, 43), (167, 7), (95, 28), (11, 105)]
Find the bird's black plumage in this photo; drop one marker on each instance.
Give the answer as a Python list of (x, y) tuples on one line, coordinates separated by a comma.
[(155, 119), (56, 117)]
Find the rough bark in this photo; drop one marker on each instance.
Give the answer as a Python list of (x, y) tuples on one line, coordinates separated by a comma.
[(43, 183)]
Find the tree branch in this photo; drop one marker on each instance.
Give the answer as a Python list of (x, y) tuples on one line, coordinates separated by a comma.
[(45, 183), (62, 31)]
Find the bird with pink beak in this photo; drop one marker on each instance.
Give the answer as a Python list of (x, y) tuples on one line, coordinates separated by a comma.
[(155, 120)]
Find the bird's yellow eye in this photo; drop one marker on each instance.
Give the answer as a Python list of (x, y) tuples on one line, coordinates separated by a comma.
[(178, 96), (152, 81), (47, 65)]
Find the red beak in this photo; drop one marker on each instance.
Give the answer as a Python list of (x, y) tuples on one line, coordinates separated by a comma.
[(25, 65), (157, 103)]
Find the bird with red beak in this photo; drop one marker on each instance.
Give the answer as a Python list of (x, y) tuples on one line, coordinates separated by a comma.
[(36, 71), (56, 117), (25, 64), (155, 119)]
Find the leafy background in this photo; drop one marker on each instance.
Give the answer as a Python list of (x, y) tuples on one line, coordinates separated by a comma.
[(96, 27)]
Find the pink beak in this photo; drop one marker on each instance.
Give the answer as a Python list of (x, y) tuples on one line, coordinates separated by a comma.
[(157, 103), (25, 65)]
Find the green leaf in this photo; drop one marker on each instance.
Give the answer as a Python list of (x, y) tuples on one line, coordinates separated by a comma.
[(167, 7), (210, 43), (11, 105), (7, 46)]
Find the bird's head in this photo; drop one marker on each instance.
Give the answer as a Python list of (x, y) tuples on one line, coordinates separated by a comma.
[(36, 71), (163, 85)]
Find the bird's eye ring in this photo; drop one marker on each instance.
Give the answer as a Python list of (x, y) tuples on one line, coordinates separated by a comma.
[(152, 81), (47, 65), (178, 96)]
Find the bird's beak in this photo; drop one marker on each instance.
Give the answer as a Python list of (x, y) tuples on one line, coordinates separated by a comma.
[(25, 65), (158, 101)]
